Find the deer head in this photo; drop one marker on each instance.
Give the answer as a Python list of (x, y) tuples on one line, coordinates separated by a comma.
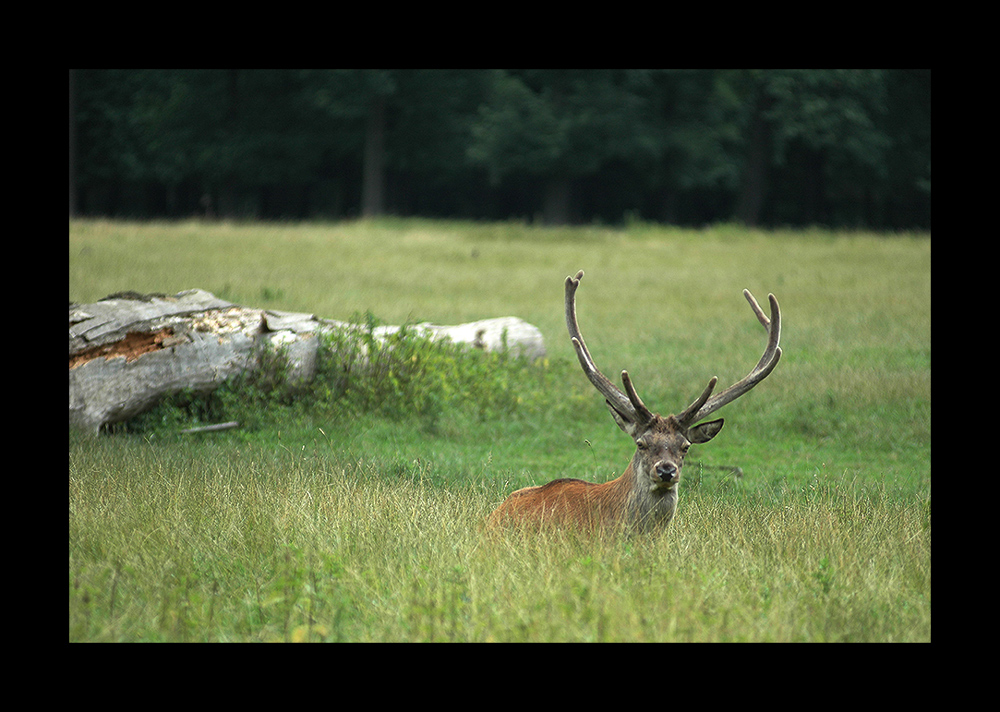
[(673, 435)]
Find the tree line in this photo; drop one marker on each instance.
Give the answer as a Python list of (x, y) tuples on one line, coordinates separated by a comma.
[(840, 148)]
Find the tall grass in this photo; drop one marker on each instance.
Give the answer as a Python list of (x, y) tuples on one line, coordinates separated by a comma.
[(253, 545), (319, 523)]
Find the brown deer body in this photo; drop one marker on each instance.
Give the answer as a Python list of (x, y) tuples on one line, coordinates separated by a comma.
[(644, 497)]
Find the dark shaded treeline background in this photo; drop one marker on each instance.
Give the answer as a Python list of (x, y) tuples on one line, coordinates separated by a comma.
[(840, 148)]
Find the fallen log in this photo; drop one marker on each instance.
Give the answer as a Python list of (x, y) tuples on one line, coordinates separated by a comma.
[(129, 350)]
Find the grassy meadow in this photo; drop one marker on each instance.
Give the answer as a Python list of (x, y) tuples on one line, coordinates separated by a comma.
[(316, 522)]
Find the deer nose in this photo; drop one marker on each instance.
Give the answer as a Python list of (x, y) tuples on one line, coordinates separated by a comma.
[(666, 471)]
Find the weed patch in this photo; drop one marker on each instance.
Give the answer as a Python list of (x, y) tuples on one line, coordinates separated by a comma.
[(406, 376)]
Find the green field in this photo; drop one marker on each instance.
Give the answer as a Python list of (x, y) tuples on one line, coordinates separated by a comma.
[(321, 522)]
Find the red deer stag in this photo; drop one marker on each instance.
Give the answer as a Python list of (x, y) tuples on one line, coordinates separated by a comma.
[(644, 497)]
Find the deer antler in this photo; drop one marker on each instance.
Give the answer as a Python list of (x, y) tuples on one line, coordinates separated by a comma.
[(705, 406), (629, 408)]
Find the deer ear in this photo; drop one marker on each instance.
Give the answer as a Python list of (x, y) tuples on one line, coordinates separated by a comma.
[(627, 426), (703, 432)]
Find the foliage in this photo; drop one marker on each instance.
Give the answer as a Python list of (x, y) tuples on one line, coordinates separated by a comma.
[(771, 147), (410, 373), (561, 123)]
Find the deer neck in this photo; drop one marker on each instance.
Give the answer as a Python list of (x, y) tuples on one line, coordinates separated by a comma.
[(647, 505)]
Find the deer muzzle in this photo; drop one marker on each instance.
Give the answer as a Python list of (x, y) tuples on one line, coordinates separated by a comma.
[(668, 473)]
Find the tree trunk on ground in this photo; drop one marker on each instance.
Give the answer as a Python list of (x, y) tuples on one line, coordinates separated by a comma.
[(128, 351)]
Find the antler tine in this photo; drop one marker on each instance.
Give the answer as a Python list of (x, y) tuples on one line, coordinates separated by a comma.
[(774, 334), (686, 416), (629, 407), (644, 413), (705, 406)]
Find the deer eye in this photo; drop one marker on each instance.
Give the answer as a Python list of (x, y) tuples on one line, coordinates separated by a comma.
[(641, 444)]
